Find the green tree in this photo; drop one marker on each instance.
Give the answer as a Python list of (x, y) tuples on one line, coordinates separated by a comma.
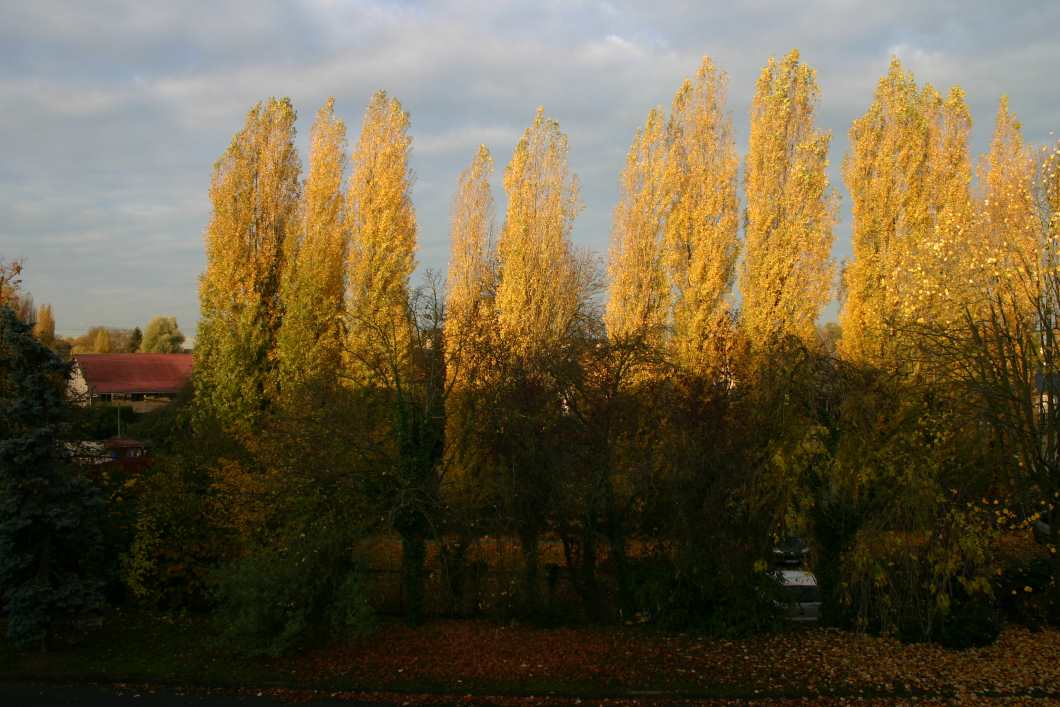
[(255, 194), (162, 336), (136, 339), (50, 538)]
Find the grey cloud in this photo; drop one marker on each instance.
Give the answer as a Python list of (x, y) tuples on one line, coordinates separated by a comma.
[(116, 110)]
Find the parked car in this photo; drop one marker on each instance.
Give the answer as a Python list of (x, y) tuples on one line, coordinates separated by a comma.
[(804, 600)]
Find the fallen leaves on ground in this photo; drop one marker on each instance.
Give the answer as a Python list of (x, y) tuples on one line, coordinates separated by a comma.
[(478, 656)]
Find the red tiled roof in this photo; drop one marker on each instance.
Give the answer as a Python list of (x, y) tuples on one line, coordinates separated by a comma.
[(135, 372)]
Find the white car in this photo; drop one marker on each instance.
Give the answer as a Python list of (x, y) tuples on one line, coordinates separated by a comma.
[(804, 601)]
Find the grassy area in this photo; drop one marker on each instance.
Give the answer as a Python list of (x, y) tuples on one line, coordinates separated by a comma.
[(137, 646), (486, 658)]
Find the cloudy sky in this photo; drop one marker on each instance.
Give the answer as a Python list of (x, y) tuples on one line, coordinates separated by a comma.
[(113, 112)]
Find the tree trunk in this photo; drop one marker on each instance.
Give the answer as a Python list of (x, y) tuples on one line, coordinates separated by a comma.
[(413, 575), (528, 541)]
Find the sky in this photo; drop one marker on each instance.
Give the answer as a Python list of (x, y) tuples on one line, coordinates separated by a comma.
[(113, 112)]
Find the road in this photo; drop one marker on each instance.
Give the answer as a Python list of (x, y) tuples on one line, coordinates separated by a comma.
[(28, 695)]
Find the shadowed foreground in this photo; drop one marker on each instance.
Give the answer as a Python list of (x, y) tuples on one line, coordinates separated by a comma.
[(482, 662)]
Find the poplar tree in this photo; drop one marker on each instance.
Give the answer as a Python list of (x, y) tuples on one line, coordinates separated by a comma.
[(941, 269), (915, 250), (787, 274), (1006, 198), (541, 296), (309, 343), (470, 336), (541, 288), (887, 177), (702, 230), (255, 194), (382, 229), (469, 316), (101, 344), (44, 327), (639, 301)]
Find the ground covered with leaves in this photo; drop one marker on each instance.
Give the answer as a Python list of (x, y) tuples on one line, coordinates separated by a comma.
[(481, 661), (479, 656)]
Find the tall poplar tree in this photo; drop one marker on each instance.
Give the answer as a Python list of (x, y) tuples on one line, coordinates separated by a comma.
[(382, 228), (310, 343), (1006, 198), (44, 327), (101, 344), (909, 175), (702, 230), (255, 193), (469, 316), (541, 296), (787, 273), (941, 269), (470, 329), (542, 286), (886, 172), (639, 301)]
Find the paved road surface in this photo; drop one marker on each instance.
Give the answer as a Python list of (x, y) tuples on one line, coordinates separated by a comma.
[(100, 696)]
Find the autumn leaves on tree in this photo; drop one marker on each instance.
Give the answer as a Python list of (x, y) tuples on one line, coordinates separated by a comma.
[(309, 282)]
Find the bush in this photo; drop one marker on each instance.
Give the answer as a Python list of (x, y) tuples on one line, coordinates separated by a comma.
[(971, 622), (273, 601), (50, 554), (174, 544), (1025, 593), (706, 597)]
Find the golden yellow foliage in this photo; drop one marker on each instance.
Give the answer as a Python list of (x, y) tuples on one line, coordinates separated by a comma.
[(639, 301), (382, 228), (313, 289), (255, 193), (1008, 216), (702, 231), (542, 285), (787, 273), (469, 317), (915, 250), (44, 327)]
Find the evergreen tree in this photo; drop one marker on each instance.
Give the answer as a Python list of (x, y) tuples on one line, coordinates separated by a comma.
[(136, 340), (50, 538)]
